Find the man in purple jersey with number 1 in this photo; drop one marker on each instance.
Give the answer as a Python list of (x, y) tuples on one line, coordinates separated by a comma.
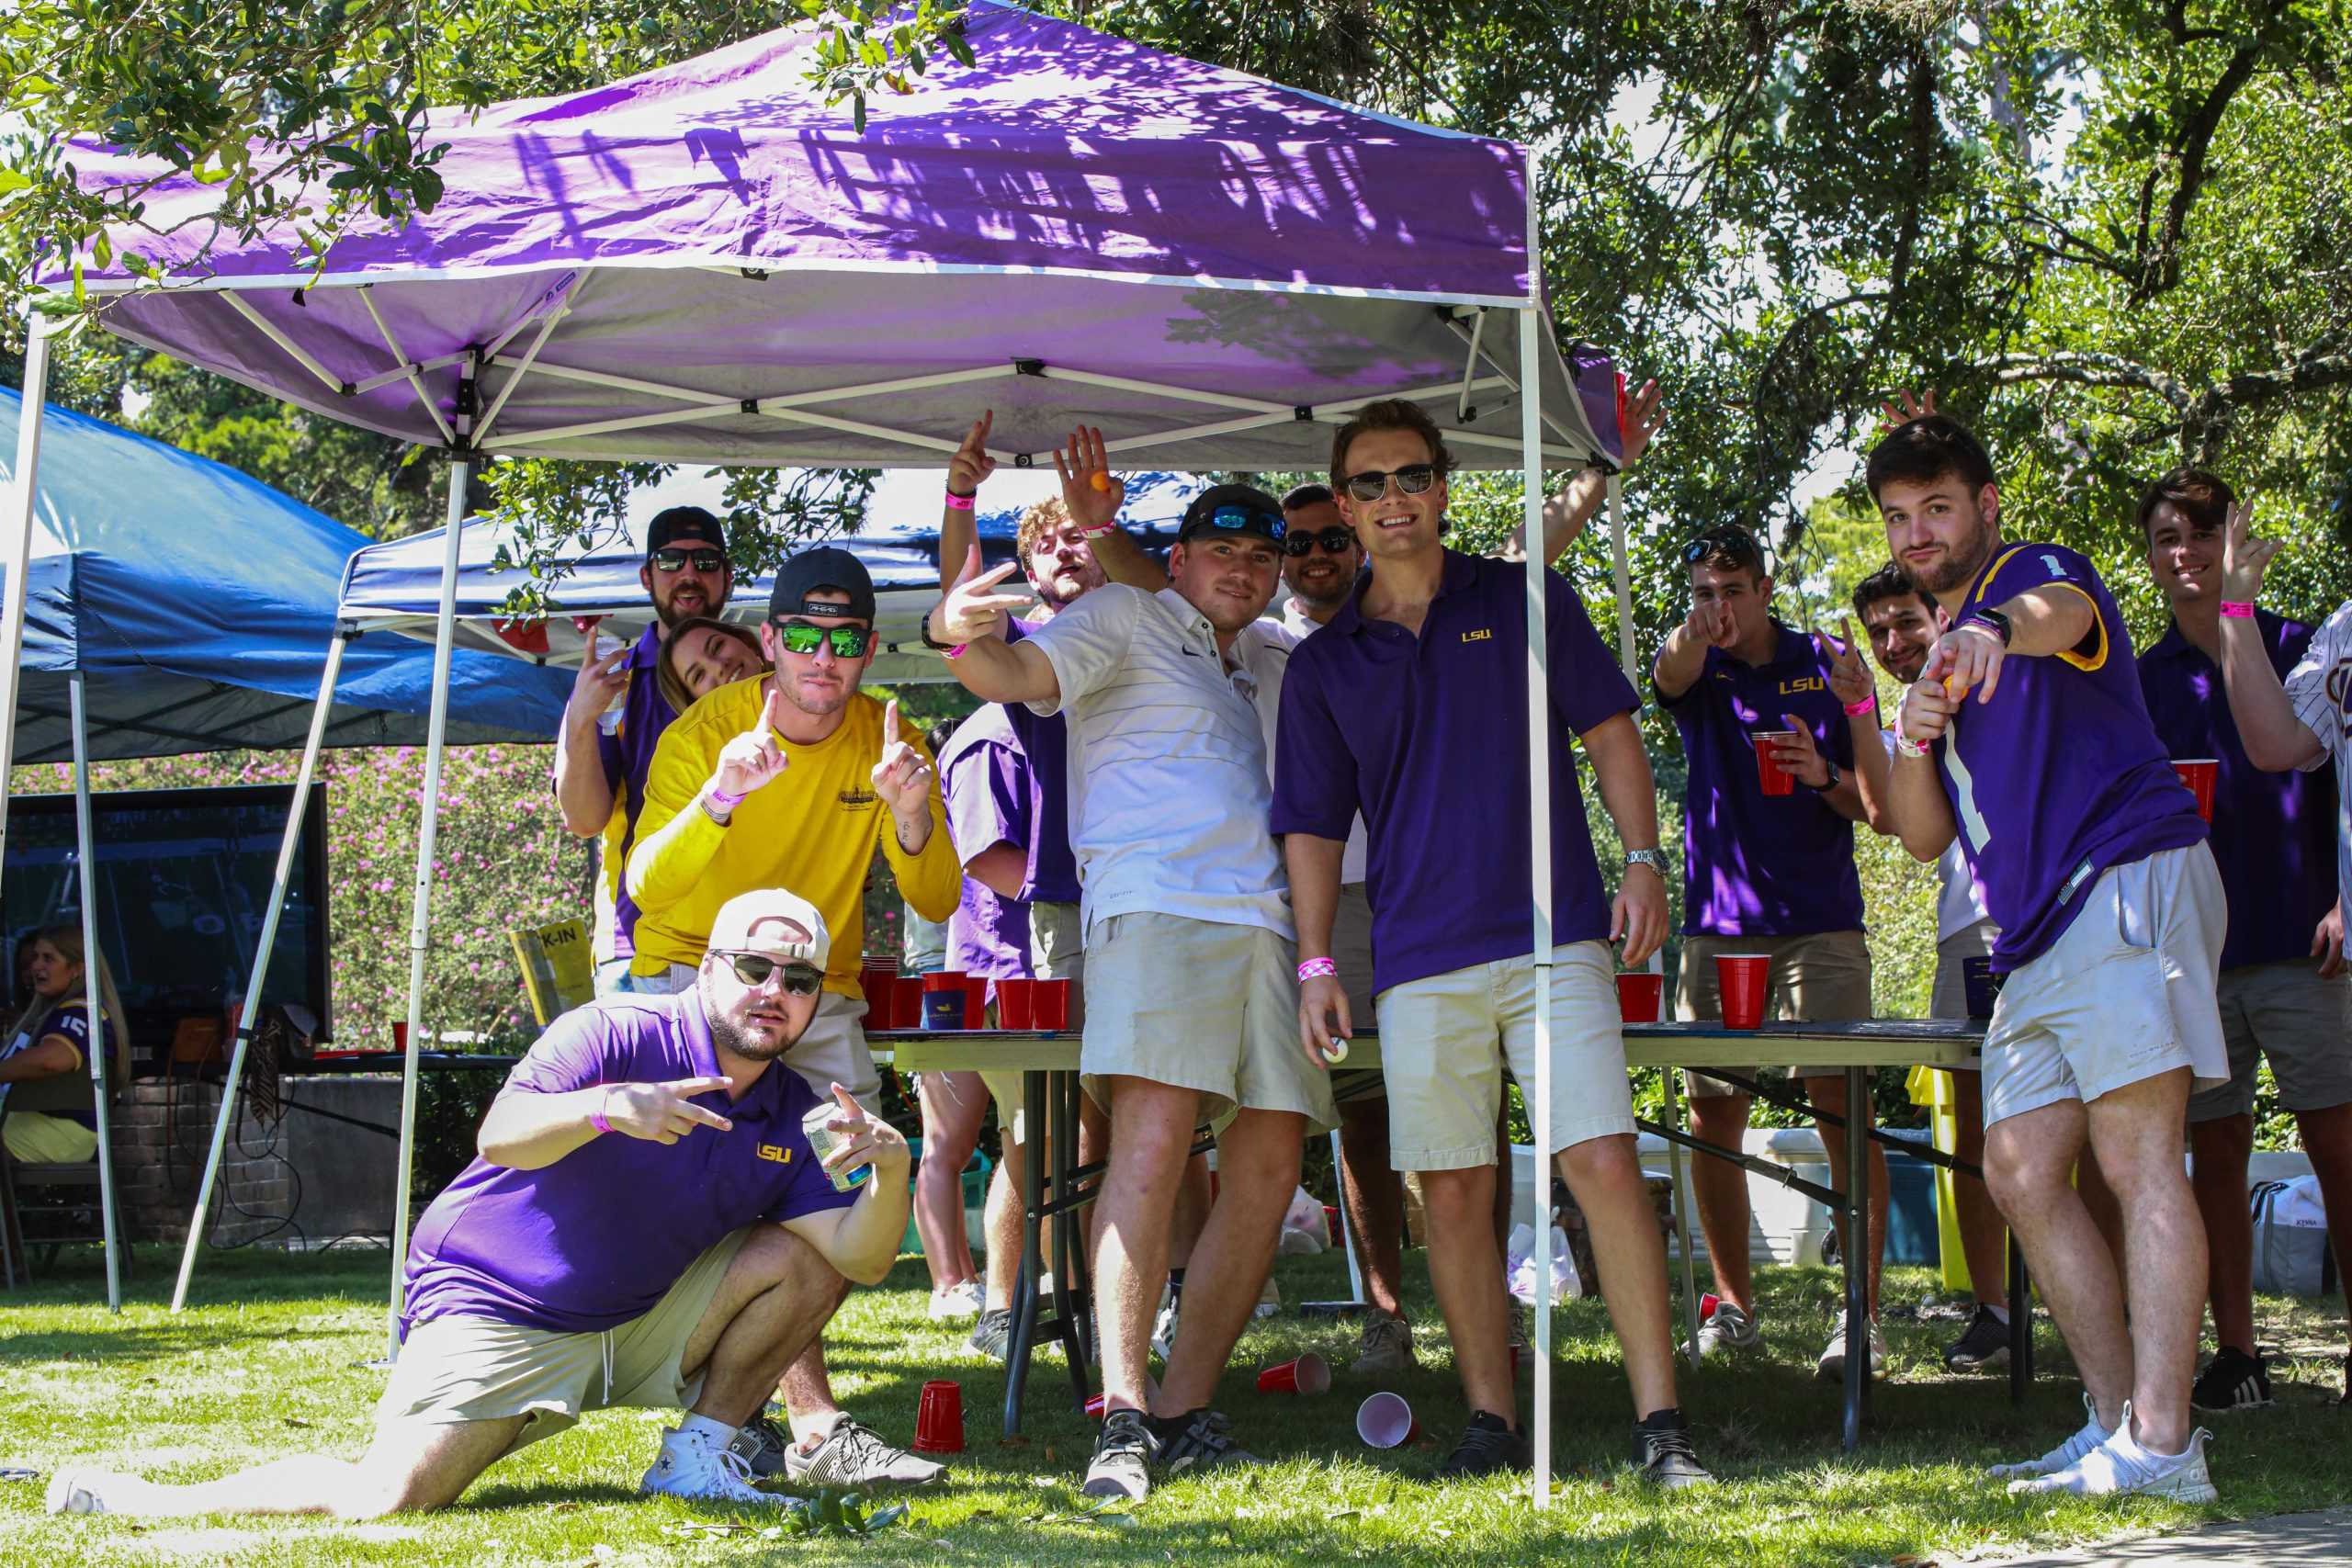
[(2027, 738)]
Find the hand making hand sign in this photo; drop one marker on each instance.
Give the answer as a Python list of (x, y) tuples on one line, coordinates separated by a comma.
[(660, 1112), (601, 678), (971, 465), (972, 609), (1850, 679), (861, 1140), (2243, 558), (750, 762), (902, 778), (1711, 622), (1967, 658)]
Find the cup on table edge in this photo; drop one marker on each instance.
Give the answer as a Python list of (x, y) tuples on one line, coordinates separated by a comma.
[(1051, 1005), (976, 1001), (1742, 978), (946, 998), (939, 1419), (2198, 774), (906, 1002), (1776, 779), (1982, 986), (1639, 996), (1308, 1373), (1016, 1002), (399, 1034), (1385, 1421)]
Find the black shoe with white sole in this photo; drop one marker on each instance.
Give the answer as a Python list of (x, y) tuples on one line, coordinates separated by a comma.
[(2232, 1381)]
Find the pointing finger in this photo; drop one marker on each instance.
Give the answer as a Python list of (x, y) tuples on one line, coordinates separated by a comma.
[(697, 1114), (849, 1103), (891, 724), (772, 717), (689, 1088)]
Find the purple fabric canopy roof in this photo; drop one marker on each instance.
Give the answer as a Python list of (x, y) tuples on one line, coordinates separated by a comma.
[(704, 264)]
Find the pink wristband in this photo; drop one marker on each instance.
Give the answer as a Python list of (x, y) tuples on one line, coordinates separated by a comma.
[(596, 1117), (1097, 533), (1868, 704), (960, 503), (2242, 611), (722, 799), (956, 652), (1316, 967)]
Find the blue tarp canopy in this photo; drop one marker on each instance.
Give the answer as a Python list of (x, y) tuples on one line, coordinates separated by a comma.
[(199, 604)]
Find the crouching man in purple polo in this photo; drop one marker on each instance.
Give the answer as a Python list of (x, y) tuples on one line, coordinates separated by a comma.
[(1408, 706), (2027, 738), (619, 1241)]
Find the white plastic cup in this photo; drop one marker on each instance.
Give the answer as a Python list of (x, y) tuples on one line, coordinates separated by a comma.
[(1385, 1421)]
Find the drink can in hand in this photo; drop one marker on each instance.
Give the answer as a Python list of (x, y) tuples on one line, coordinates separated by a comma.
[(823, 1141)]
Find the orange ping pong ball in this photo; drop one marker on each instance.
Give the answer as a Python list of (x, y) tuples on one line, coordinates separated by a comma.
[(1100, 482)]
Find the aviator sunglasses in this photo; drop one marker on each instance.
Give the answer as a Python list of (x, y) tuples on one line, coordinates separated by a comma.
[(668, 561), (1411, 479), (849, 642), (753, 969), (1334, 540)]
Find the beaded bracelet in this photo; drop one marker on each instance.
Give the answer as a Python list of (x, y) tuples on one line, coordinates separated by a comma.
[(1316, 967)]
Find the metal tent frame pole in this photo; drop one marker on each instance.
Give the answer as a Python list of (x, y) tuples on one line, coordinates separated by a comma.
[(420, 903), (85, 850), (22, 497), (251, 1013)]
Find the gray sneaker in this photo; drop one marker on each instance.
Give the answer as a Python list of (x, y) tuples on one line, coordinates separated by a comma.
[(992, 1332), (856, 1456), (1728, 1331), (1123, 1456), (1386, 1345)]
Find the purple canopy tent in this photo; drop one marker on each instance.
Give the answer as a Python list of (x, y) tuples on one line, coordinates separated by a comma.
[(703, 263)]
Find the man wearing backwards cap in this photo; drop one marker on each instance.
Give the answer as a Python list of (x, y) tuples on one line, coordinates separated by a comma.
[(793, 779), (600, 771), (1188, 942), (646, 1224)]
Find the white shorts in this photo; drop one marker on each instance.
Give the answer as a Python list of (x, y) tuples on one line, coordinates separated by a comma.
[(1949, 996), (2125, 993), (832, 1051), (1445, 1040)]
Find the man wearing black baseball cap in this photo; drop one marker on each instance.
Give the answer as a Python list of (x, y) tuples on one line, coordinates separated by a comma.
[(792, 781), (602, 751)]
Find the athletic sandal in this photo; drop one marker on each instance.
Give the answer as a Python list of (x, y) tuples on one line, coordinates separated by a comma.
[(2232, 1381), (1663, 1454), (2121, 1467), (1198, 1439), (1122, 1458), (1385, 1346), (2089, 1437), (690, 1465), (1489, 1445), (1727, 1331), (1983, 1346), (856, 1456)]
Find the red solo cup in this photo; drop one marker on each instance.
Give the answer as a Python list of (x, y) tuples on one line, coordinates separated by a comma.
[(1016, 1003), (1309, 1373), (1385, 1421), (1708, 1302), (1051, 1005), (906, 1002), (2198, 774), (976, 1001), (1776, 779), (1332, 1224), (1638, 996), (1096, 1404), (1742, 978), (946, 998), (939, 1419), (399, 1034)]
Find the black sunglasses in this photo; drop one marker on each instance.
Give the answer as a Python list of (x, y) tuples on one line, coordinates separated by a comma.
[(1235, 517), (667, 560), (1411, 479), (754, 969), (1334, 540), (1735, 543), (799, 636)]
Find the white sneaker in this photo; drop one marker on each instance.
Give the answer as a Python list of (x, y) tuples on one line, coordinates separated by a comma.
[(1727, 1331), (79, 1492), (2121, 1467), (957, 1304), (1832, 1364), (691, 1465), (1164, 1326), (2060, 1458)]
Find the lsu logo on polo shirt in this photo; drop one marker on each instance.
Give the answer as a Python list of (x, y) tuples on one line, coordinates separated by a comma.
[(775, 1154), (1484, 633), (1803, 683)]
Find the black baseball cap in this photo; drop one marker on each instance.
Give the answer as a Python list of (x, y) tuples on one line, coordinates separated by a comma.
[(812, 570), (677, 522), (1234, 509)]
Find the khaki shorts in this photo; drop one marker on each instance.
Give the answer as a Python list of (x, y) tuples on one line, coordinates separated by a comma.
[(1948, 998), (2125, 993), (1445, 1040), (2284, 1011), (454, 1369), (1057, 952), (832, 1051), (1818, 978), (1352, 951), (35, 1137), (1200, 1005)]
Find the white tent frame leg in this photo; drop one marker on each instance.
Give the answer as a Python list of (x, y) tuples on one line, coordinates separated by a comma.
[(251, 1013), (85, 854), (23, 496), (1539, 808)]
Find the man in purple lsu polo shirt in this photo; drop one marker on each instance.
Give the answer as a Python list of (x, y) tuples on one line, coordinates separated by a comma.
[(1408, 708), (1765, 874), (614, 1244), (2027, 738)]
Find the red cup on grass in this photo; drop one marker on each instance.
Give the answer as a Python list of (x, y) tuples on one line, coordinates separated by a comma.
[(2198, 774), (1742, 976), (1309, 1373), (946, 1000), (1638, 997), (1776, 779), (1051, 1004), (939, 1419), (906, 1002), (1385, 1421), (1016, 1003)]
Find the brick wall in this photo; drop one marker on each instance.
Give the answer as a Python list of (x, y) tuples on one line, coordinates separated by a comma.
[(160, 1131)]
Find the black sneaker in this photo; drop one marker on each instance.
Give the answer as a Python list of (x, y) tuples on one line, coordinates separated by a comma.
[(1663, 1454), (1488, 1445), (2232, 1381), (1983, 1346), (762, 1442), (1197, 1439), (992, 1332), (1123, 1456)]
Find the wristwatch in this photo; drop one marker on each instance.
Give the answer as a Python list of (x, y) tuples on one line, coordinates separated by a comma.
[(1993, 618), (1834, 776), (1654, 859), (931, 642)]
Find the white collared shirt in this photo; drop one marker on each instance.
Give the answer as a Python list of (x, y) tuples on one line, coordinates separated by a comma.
[(1170, 778)]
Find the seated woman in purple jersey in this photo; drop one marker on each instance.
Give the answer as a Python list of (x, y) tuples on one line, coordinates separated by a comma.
[(644, 1226)]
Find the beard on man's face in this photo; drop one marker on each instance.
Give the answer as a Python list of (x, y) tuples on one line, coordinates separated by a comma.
[(1960, 563), (753, 1041)]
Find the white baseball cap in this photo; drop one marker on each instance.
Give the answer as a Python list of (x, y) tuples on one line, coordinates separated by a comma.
[(780, 924)]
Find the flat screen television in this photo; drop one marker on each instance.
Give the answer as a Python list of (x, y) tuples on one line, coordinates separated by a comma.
[(183, 886)]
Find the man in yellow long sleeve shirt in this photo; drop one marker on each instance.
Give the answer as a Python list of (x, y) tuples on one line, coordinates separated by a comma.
[(790, 780)]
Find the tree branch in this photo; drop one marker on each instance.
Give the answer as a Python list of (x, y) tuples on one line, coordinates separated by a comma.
[(2160, 262)]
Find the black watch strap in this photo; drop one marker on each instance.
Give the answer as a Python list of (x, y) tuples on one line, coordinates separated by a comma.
[(928, 640), (1997, 621)]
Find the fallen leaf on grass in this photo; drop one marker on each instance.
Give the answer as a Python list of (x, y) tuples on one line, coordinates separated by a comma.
[(570, 1507), (294, 1421)]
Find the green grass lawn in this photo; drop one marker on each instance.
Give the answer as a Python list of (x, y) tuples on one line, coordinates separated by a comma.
[(268, 1361)]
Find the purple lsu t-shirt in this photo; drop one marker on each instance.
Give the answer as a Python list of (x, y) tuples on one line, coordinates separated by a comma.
[(626, 752), (593, 1240), (1427, 737), (2273, 834), (984, 775), (1758, 864), (2060, 776), (1053, 862)]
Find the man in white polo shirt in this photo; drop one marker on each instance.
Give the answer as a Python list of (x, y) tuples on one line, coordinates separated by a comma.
[(1190, 954)]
